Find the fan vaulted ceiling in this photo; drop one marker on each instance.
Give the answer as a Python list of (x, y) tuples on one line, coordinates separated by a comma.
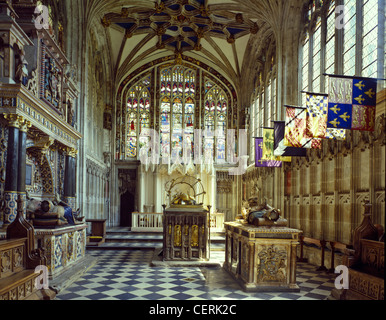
[(201, 29)]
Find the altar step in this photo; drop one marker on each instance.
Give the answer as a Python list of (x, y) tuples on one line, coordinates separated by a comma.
[(124, 239)]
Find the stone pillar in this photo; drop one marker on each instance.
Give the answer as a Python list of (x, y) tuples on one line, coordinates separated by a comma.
[(22, 156), (141, 188), (213, 185), (70, 178), (11, 179), (157, 190), (293, 249)]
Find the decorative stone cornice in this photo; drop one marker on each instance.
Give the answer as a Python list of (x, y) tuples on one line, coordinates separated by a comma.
[(17, 100)]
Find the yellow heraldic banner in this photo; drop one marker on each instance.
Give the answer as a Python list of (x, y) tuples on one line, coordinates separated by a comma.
[(268, 146)]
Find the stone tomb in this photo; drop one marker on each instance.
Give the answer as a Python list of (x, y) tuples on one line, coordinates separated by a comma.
[(64, 247), (261, 258)]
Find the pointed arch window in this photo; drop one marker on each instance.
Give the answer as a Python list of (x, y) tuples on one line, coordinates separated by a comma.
[(215, 122), (316, 58), (175, 115), (370, 35), (349, 44), (177, 111), (330, 44), (138, 117)]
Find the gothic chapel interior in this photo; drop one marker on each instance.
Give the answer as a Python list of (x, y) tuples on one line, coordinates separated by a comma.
[(106, 106)]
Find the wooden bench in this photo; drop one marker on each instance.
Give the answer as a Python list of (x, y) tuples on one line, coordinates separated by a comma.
[(322, 244), (98, 231), (18, 261)]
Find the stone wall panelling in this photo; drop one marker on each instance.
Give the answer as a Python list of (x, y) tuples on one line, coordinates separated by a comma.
[(379, 181), (344, 226), (305, 213)]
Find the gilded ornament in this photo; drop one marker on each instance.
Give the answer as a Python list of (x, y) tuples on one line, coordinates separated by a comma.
[(13, 119), (105, 22), (177, 236), (272, 264), (194, 242)]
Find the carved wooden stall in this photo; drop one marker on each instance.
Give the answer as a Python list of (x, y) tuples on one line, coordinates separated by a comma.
[(18, 262), (365, 262)]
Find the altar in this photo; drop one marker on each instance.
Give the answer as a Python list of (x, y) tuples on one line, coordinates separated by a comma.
[(261, 258)]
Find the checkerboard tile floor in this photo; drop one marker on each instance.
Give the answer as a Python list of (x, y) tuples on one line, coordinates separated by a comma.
[(127, 275)]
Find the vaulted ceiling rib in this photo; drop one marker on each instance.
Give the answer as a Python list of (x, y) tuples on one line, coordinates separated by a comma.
[(197, 28)]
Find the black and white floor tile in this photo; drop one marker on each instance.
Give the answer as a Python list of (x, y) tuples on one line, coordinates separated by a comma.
[(127, 275)]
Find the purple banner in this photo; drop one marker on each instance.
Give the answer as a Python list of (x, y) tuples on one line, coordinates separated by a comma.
[(259, 154)]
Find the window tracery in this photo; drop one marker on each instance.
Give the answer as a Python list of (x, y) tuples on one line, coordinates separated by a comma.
[(352, 49), (215, 119), (177, 109), (176, 115), (138, 117)]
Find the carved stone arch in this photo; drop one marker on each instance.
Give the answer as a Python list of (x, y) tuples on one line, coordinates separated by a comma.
[(48, 183), (44, 169)]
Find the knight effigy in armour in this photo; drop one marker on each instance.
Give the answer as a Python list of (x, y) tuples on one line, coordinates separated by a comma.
[(262, 214)]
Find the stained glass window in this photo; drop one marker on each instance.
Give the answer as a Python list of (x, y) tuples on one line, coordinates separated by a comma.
[(305, 66), (349, 43), (261, 125), (257, 118), (138, 117), (215, 119), (330, 45), (370, 39), (360, 52), (316, 65), (255, 114), (177, 111), (269, 106)]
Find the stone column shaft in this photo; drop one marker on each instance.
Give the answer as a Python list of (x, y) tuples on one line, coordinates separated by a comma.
[(11, 179)]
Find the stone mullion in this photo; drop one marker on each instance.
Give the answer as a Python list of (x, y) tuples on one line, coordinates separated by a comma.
[(301, 197)]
